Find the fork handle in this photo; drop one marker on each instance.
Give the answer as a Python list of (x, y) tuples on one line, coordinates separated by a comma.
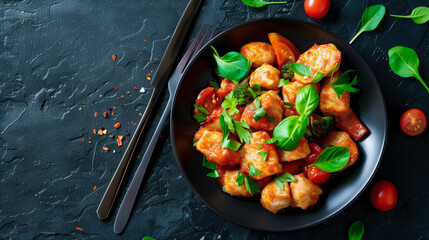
[(112, 190), (131, 194)]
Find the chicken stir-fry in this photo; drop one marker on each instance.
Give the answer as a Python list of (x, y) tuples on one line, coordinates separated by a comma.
[(239, 120)]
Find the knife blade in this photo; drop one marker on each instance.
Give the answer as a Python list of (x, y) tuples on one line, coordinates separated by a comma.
[(158, 82)]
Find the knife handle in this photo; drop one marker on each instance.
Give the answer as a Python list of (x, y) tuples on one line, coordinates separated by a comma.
[(112, 190)]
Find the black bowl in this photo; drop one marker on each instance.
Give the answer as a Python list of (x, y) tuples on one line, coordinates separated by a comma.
[(338, 192)]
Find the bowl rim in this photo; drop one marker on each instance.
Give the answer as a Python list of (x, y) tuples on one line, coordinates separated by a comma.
[(333, 213)]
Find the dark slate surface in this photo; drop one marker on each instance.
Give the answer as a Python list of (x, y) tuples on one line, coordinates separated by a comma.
[(56, 71)]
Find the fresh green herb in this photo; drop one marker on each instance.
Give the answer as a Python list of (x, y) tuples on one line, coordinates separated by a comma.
[(344, 83), (286, 71), (256, 86), (251, 107), (260, 146), (227, 143), (308, 132), (240, 129), (319, 76), (270, 141), (263, 154), (208, 164), (307, 100), (252, 93), (251, 186), (213, 174), (321, 127), (371, 17), (289, 132), (200, 117), (260, 111), (202, 109), (285, 177), (233, 65), (230, 103), (283, 82), (148, 238), (332, 159), (253, 171), (405, 63), (301, 69), (289, 104), (259, 3), (332, 73), (356, 230), (214, 84), (195, 142), (419, 15)]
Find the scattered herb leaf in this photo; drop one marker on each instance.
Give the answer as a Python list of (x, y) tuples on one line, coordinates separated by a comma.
[(259, 3), (371, 17), (200, 117), (319, 76), (356, 230), (301, 69), (253, 171), (289, 132), (208, 164), (202, 109), (285, 177), (233, 65), (213, 174), (251, 186), (240, 179), (214, 84), (256, 86), (289, 104), (344, 83), (230, 103), (419, 15), (283, 82), (307, 100), (332, 159), (263, 154)]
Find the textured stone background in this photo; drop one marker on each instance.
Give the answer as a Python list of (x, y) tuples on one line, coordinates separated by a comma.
[(56, 70)]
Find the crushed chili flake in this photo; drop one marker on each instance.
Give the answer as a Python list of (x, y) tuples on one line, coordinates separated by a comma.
[(140, 114), (122, 95), (106, 149), (83, 139), (111, 135), (117, 125), (95, 187), (114, 57), (113, 113), (105, 114), (114, 107), (94, 131), (135, 88), (148, 75), (115, 89), (119, 142), (128, 92), (138, 156), (80, 229), (95, 114), (100, 132), (120, 137), (144, 40), (90, 137)]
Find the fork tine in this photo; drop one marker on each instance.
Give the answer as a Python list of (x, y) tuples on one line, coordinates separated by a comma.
[(188, 53), (201, 42)]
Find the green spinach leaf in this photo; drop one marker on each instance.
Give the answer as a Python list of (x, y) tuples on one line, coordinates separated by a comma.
[(404, 62), (259, 3), (371, 17), (356, 230), (419, 15)]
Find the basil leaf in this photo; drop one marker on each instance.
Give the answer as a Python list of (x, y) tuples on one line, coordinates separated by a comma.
[(283, 82), (251, 186), (240, 179), (201, 108), (200, 117), (289, 104), (332, 159), (286, 71), (148, 238), (263, 154), (253, 171), (214, 84), (371, 17), (213, 174), (285, 177), (404, 62), (344, 83), (307, 100), (233, 65), (289, 132), (208, 164), (419, 15), (356, 230), (256, 86), (259, 3), (319, 76), (301, 69)]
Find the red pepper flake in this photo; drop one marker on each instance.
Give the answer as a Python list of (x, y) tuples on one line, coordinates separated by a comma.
[(144, 40), (94, 131), (148, 76), (83, 139), (95, 187), (90, 137), (120, 137), (115, 89), (119, 142), (140, 114), (138, 156), (80, 229), (160, 136), (135, 88), (95, 114), (106, 149), (105, 114), (122, 95), (114, 107), (114, 57), (117, 125), (113, 113)]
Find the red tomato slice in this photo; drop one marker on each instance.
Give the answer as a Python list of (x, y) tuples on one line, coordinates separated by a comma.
[(351, 124), (316, 8), (413, 122), (285, 49), (317, 176), (384, 195), (315, 151), (209, 99)]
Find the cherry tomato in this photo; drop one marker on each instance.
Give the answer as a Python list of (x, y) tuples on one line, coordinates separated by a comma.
[(316, 8), (317, 176), (315, 151), (304, 168), (413, 122), (384, 195), (292, 167), (209, 99)]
